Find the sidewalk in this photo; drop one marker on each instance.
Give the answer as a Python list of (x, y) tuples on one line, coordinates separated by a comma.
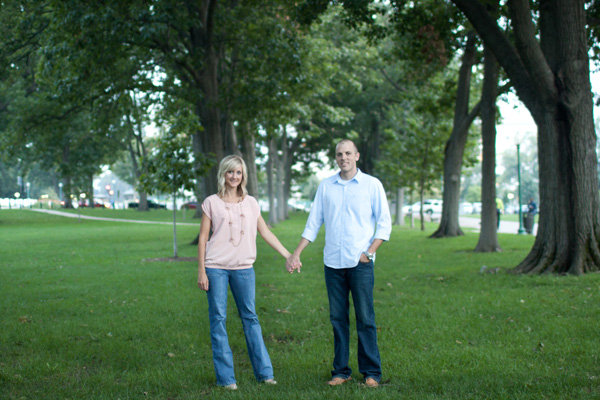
[(505, 226), (134, 221)]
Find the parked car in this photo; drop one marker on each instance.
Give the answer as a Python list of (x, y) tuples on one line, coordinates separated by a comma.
[(476, 207), (86, 203), (151, 204), (190, 205), (465, 208), (430, 207)]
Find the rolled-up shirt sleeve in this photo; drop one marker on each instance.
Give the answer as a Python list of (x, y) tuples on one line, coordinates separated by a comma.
[(381, 211)]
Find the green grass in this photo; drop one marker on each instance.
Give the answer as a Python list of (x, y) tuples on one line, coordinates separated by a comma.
[(84, 316)]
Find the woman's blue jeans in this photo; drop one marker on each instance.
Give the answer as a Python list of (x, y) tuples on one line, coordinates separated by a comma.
[(359, 281), (241, 282)]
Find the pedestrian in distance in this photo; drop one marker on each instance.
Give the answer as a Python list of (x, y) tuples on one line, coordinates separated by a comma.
[(499, 211), (354, 209), (530, 217), (225, 259)]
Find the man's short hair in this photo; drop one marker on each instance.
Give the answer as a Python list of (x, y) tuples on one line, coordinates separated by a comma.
[(344, 141)]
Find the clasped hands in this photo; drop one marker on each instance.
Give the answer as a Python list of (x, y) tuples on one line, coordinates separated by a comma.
[(292, 263)]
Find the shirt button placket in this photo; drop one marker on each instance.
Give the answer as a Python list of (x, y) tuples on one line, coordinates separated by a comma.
[(343, 216)]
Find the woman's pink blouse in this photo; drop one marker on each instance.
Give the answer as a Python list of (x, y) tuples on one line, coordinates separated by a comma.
[(232, 244)]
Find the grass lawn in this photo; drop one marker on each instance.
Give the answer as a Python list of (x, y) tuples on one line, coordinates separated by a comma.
[(85, 315)]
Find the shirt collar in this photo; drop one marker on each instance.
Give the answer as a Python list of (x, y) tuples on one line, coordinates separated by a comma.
[(356, 177)]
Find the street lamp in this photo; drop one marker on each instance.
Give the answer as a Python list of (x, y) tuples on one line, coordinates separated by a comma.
[(521, 230)]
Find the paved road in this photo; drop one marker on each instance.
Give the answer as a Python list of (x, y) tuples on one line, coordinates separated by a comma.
[(134, 221), (505, 226)]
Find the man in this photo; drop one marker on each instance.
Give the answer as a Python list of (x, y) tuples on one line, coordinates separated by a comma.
[(353, 206)]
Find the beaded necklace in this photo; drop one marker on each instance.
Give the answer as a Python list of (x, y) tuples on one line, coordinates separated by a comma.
[(229, 207)]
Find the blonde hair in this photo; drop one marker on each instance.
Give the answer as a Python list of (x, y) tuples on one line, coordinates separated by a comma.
[(227, 164)]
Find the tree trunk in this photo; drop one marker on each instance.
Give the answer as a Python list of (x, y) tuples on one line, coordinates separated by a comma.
[(248, 144), (199, 187), (231, 142), (270, 179), (90, 190), (455, 147), (67, 190), (422, 186), (421, 213), (67, 179), (174, 224), (568, 229), (210, 115), (399, 213), (280, 174), (137, 153), (488, 237), (552, 79)]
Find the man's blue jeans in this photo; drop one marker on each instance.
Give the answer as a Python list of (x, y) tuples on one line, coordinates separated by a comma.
[(242, 287), (359, 281)]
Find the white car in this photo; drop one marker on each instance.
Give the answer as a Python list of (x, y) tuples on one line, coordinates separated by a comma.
[(430, 207), (465, 208)]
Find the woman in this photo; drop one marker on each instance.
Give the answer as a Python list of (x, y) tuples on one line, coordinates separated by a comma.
[(226, 258)]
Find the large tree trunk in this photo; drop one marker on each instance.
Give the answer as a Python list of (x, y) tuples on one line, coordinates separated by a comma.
[(552, 79), (211, 118), (208, 105), (455, 147), (488, 235)]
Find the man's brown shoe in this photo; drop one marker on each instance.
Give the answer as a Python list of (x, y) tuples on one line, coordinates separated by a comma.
[(338, 380), (372, 383)]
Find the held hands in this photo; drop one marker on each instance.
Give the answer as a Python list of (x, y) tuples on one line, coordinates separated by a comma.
[(293, 263)]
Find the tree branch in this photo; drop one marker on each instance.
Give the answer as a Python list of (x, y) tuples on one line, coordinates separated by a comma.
[(504, 51), (529, 48)]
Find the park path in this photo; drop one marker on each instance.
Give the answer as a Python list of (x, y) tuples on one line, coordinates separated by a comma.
[(134, 221), (505, 226), (465, 222)]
